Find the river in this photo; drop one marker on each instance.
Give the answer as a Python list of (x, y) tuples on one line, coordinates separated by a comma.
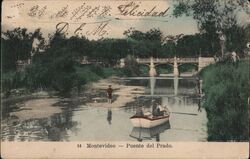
[(79, 121)]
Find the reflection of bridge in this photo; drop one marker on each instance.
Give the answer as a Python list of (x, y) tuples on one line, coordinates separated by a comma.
[(200, 62)]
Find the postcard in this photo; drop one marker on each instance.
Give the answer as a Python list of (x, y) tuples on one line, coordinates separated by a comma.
[(125, 79)]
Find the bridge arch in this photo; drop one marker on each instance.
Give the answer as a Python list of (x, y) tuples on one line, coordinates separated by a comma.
[(176, 63), (187, 67), (166, 64), (144, 69), (164, 68)]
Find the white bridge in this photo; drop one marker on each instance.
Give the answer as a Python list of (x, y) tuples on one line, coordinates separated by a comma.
[(175, 62)]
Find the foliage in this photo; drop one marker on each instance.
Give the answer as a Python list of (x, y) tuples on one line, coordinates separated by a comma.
[(36, 76), (187, 68), (146, 44), (58, 56), (131, 66), (55, 67), (17, 45), (113, 72), (85, 74), (226, 87), (11, 80), (214, 16), (144, 70)]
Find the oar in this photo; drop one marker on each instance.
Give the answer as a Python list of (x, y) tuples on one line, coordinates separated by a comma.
[(184, 113)]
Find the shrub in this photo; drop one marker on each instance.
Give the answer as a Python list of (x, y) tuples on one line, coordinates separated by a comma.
[(131, 66), (12, 80), (97, 69), (226, 88)]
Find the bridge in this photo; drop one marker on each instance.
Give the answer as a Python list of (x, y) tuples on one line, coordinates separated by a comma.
[(201, 62)]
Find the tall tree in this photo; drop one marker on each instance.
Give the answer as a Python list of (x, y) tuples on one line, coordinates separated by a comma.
[(152, 41), (213, 16), (17, 45)]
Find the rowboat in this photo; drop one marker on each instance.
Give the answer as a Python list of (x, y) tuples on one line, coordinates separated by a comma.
[(148, 120), (149, 133)]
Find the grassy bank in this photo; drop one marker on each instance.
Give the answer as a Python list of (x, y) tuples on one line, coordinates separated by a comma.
[(226, 89), (94, 73), (16, 84)]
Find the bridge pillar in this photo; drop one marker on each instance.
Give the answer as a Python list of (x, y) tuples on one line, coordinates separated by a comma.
[(122, 63), (152, 71), (176, 71)]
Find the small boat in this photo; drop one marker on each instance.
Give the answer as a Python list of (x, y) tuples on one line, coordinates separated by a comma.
[(149, 121), (149, 133)]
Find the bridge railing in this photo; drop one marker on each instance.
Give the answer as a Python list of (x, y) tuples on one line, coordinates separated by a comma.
[(188, 59), (147, 60), (154, 59)]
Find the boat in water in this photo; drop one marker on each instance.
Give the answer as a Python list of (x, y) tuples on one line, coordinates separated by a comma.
[(148, 120), (141, 134)]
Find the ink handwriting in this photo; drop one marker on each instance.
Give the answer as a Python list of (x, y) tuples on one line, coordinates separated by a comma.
[(134, 9)]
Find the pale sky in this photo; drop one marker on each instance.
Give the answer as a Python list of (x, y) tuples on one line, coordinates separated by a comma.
[(15, 14)]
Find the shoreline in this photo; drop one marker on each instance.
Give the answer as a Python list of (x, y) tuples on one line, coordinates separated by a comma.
[(122, 94), (43, 105)]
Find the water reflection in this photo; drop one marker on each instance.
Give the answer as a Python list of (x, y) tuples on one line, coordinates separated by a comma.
[(152, 85), (199, 106), (141, 134), (176, 81), (44, 129), (80, 122), (167, 86), (109, 116)]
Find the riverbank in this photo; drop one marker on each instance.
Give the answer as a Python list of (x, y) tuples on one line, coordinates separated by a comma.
[(121, 96), (34, 105), (18, 98), (35, 109), (226, 89), (43, 105), (71, 123)]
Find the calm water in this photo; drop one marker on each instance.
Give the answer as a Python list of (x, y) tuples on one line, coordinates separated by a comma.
[(80, 122)]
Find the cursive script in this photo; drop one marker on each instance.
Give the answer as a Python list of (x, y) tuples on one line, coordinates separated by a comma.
[(37, 11), (88, 11), (62, 13), (97, 28), (133, 9)]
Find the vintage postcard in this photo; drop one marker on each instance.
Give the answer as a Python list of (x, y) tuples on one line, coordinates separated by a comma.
[(125, 79)]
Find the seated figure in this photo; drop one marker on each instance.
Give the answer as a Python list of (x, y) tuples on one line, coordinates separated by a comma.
[(139, 112)]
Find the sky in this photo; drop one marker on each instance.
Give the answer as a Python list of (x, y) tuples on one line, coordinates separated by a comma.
[(18, 14)]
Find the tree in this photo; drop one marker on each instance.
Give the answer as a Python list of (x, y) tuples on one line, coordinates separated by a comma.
[(16, 46), (79, 47), (131, 66), (226, 88), (54, 68), (152, 41), (134, 34), (213, 16)]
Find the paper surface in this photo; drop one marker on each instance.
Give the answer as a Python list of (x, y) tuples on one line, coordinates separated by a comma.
[(100, 20)]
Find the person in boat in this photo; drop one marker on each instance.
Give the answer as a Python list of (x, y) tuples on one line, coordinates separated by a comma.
[(165, 109), (157, 110), (160, 110), (154, 110), (139, 112), (109, 94)]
